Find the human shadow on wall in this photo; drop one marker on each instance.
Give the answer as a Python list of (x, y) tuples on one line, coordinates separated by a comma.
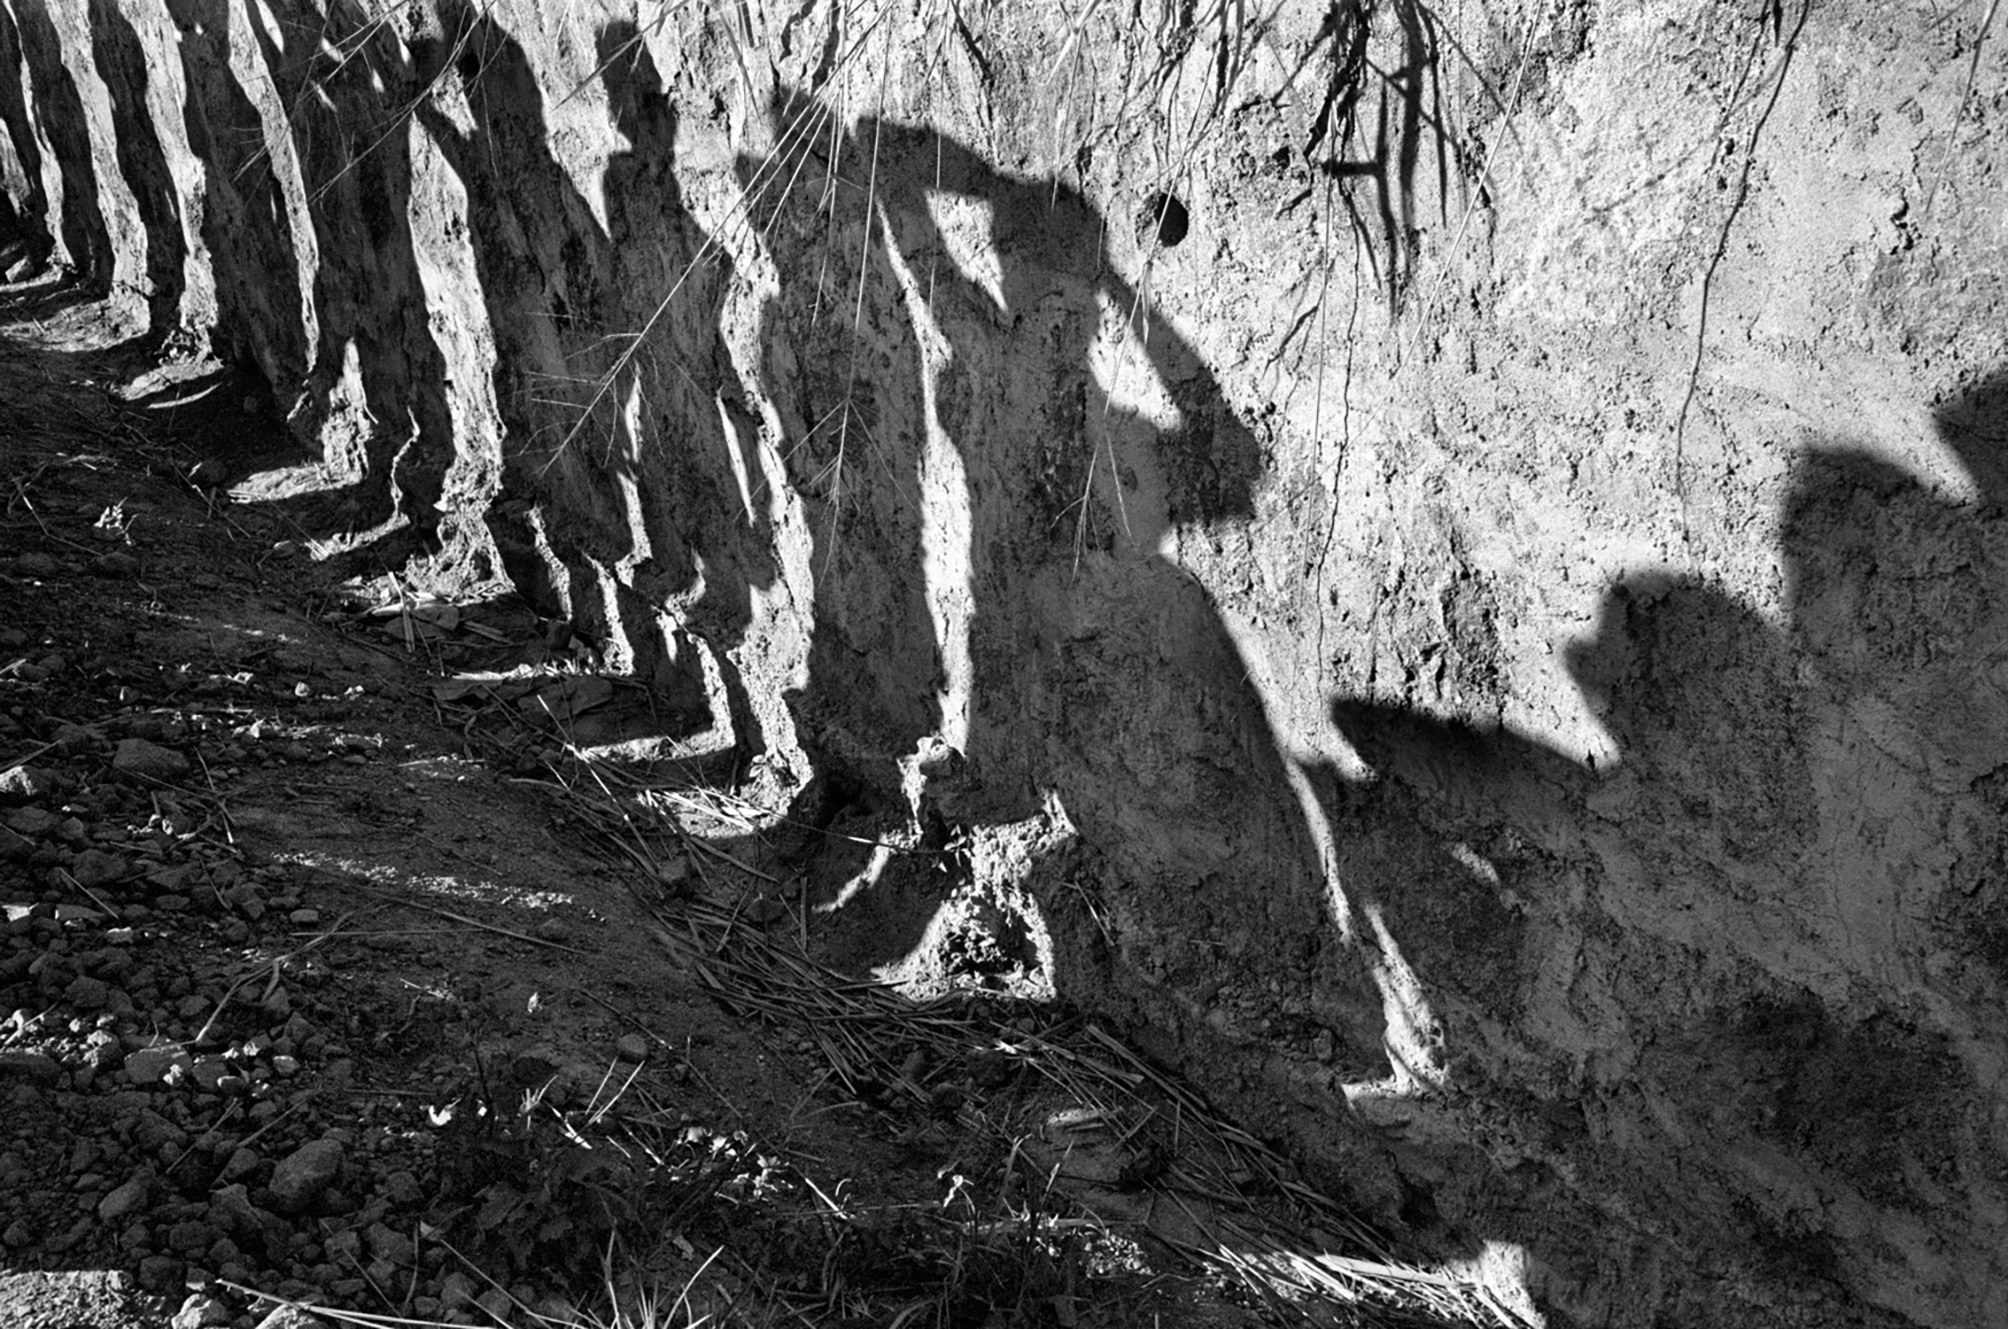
[(1766, 779), (30, 222), (243, 218), (59, 108), (930, 380), (121, 61), (385, 458), (621, 406)]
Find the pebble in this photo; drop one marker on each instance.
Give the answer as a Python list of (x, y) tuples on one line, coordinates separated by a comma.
[(241, 1163), (129, 1197), (210, 1072), (305, 1174), (140, 761), (94, 868), (25, 784), (293, 1317), (87, 993), (17, 1235), (202, 1311), (191, 1237), (32, 822), (230, 1209), (149, 1065), (631, 1047), (159, 1273)]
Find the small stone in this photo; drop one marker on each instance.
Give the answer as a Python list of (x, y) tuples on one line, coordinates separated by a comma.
[(149, 1065), (128, 1198), (87, 993), (191, 1237), (32, 822), (160, 1273), (25, 784), (202, 1311), (284, 1066), (303, 1175), (140, 761), (241, 1163), (402, 1188), (95, 869), (209, 1073), (230, 1209), (388, 1244), (631, 1047), (304, 917), (17, 1235)]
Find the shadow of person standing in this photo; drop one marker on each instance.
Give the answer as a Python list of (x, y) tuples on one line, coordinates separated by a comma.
[(540, 256), (25, 210), (345, 107), (121, 62), (998, 591), (243, 222), (611, 373), (702, 509), (60, 109), (1784, 902)]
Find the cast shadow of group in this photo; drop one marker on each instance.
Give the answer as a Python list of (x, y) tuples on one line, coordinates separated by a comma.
[(1110, 681), (1726, 726)]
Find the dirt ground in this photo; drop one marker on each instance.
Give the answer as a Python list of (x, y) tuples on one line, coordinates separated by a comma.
[(346, 963)]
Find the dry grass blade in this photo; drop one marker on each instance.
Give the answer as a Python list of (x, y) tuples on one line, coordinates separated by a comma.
[(1286, 1241)]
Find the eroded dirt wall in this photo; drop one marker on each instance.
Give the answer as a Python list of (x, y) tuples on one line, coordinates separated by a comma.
[(1486, 647)]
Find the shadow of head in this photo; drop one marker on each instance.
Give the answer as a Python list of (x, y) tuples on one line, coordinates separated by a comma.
[(1974, 424), (641, 110), (1053, 278), (1665, 650)]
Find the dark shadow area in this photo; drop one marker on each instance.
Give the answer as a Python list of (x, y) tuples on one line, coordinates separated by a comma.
[(257, 334), (612, 375), (350, 136), (1112, 727), (27, 232), (1766, 774), (60, 112), (1064, 575), (121, 63)]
